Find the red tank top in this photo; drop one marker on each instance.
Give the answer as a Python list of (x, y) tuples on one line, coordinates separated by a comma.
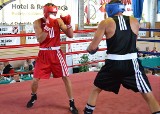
[(51, 42)]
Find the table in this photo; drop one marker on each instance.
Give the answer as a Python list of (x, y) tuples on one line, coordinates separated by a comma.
[(151, 62)]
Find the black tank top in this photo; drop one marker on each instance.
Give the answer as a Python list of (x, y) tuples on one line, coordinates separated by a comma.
[(124, 40)]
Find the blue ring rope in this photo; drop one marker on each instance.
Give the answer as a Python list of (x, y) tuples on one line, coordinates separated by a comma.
[(151, 53), (144, 29)]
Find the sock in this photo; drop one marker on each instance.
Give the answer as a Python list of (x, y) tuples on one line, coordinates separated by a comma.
[(156, 112), (71, 102), (89, 109), (33, 94)]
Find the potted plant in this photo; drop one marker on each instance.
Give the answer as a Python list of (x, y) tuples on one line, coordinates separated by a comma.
[(84, 60)]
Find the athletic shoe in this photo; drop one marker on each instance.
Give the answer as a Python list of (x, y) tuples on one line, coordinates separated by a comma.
[(73, 110), (32, 100)]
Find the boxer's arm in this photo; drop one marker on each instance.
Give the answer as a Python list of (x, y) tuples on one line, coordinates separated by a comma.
[(134, 25), (97, 36), (39, 33)]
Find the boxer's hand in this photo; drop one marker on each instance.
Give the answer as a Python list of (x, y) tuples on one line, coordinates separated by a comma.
[(67, 20), (92, 51), (49, 23)]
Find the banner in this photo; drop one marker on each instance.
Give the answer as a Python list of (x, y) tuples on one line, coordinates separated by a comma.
[(25, 12), (9, 40)]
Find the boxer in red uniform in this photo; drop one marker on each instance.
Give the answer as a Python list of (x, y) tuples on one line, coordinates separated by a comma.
[(50, 57)]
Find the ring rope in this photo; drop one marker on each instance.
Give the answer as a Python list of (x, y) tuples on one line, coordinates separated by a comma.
[(148, 29), (31, 72), (68, 42), (77, 31), (33, 34), (151, 53), (78, 52), (148, 40), (35, 45)]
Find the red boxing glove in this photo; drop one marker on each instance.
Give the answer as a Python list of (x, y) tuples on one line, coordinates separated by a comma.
[(66, 19), (49, 23)]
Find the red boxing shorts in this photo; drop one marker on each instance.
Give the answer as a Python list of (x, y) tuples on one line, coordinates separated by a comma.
[(50, 61)]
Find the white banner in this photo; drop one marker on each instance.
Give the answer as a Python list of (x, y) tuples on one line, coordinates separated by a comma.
[(9, 40), (24, 11)]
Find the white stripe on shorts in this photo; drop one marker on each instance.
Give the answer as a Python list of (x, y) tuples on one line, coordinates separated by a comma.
[(141, 84), (63, 64)]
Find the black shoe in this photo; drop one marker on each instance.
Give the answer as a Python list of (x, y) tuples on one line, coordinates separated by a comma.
[(88, 111), (32, 100), (85, 112), (73, 110)]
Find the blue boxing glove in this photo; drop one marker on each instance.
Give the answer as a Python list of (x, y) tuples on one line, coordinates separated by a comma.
[(92, 51)]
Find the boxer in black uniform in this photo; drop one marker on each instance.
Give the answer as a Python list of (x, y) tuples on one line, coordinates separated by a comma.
[(122, 66)]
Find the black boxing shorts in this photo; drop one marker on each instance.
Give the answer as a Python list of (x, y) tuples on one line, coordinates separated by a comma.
[(129, 73)]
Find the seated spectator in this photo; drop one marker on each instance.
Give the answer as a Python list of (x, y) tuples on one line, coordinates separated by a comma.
[(16, 78), (28, 65), (1, 68), (28, 68), (34, 62), (8, 69), (2, 78), (154, 50), (147, 50), (1, 71), (139, 54)]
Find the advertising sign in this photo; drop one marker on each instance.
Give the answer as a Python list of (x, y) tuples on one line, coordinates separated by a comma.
[(9, 40), (25, 12)]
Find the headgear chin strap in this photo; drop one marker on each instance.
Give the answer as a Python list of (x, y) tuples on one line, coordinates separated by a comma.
[(49, 9), (114, 8)]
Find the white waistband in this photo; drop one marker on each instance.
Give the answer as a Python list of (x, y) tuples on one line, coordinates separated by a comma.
[(122, 57), (50, 48)]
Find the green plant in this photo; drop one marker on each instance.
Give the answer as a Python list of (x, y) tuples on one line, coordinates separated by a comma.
[(83, 61)]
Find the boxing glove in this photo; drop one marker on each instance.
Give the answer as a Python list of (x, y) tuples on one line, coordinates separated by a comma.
[(67, 20), (49, 23), (92, 51)]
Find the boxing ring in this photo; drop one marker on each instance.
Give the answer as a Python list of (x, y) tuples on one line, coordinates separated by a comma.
[(52, 97)]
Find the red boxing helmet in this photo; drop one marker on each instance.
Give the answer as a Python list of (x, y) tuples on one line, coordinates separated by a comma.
[(49, 9)]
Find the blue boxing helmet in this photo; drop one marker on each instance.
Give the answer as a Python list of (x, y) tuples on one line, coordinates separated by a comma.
[(114, 7)]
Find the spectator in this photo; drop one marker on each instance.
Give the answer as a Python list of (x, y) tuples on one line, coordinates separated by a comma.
[(34, 62), (147, 50), (154, 50), (16, 78), (8, 69), (27, 68), (2, 78), (1, 71), (139, 54), (28, 65), (1, 68)]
